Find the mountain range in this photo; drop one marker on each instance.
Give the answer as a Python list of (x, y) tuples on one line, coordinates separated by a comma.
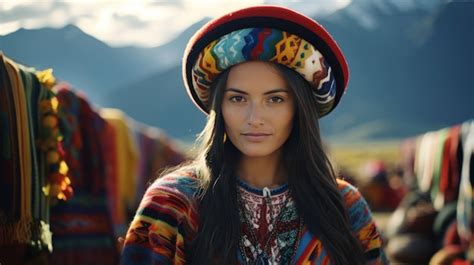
[(411, 71)]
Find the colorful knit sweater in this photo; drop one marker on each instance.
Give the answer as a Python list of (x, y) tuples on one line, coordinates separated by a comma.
[(167, 218)]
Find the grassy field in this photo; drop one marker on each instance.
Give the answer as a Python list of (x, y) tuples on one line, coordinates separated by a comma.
[(352, 157)]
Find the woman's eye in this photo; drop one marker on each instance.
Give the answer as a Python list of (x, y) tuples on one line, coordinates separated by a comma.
[(237, 99), (276, 99)]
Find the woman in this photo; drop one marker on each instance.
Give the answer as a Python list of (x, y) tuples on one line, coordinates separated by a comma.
[(261, 189)]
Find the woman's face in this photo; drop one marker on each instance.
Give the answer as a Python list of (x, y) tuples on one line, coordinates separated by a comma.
[(258, 109)]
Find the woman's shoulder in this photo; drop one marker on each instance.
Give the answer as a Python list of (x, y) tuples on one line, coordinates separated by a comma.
[(357, 208), (362, 223), (164, 221), (179, 182), (349, 192)]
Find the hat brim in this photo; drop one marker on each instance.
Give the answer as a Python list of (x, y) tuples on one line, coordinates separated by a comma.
[(266, 17)]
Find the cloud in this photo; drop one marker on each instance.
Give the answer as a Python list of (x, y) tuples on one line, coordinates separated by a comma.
[(130, 20), (312, 8), (28, 14), (19, 13), (126, 22)]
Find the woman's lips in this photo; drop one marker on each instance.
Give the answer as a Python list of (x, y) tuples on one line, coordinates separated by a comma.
[(256, 137)]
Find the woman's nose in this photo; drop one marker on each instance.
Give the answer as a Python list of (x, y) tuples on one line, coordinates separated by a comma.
[(255, 115)]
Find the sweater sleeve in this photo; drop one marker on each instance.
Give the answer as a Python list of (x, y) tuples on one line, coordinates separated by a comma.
[(163, 223), (362, 224)]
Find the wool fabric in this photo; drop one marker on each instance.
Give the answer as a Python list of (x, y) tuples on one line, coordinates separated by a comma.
[(267, 33), (167, 218)]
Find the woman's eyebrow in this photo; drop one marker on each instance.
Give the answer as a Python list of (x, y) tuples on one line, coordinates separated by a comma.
[(236, 90), (276, 91), (266, 93)]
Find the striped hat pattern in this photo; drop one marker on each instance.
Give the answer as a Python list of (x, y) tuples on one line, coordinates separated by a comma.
[(258, 33)]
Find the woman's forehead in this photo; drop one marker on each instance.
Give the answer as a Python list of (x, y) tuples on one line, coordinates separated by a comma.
[(255, 76)]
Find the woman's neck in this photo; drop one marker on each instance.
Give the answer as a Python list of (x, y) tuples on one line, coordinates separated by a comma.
[(260, 172)]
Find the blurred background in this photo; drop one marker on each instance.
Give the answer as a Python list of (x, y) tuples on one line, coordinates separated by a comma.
[(408, 108)]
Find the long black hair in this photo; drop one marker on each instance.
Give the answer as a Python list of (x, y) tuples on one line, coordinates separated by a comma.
[(310, 175)]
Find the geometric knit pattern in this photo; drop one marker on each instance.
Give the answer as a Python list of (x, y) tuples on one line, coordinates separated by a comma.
[(167, 218), (265, 44)]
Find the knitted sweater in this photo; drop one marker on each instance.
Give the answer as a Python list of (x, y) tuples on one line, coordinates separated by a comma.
[(167, 218)]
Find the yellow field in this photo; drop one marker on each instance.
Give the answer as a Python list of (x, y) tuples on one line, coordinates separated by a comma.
[(352, 157), (347, 157)]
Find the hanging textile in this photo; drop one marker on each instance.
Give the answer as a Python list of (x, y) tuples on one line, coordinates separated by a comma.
[(424, 161), (408, 152), (436, 197), (465, 207), (82, 229), (443, 169), (126, 157), (437, 163), (157, 152), (25, 179), (443, 165), (51, 140), (449, 178)]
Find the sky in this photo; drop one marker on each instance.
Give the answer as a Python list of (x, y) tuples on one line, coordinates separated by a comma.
[(141, 23)]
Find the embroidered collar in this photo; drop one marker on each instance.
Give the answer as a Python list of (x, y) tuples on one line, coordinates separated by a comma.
[(261, 192)]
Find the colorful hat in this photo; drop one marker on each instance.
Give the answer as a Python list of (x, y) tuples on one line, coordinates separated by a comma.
[(267, 33)]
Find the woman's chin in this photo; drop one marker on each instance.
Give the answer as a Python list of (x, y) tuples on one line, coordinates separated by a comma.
[(257, 152)]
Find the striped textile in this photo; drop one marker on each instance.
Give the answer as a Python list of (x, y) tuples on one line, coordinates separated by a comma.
[(81, 227), (266, 44), (167, 218)]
